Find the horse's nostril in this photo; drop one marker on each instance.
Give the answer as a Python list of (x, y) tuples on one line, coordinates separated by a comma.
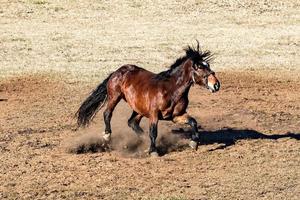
[(217, 86)]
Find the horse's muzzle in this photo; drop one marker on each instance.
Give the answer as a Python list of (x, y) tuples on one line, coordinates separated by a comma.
[(213, 87), (217, 86)]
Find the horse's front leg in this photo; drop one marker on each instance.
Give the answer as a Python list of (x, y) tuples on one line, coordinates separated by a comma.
[(186, 119), (153, 122)]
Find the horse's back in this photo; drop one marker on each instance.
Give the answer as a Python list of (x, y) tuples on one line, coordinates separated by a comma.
[(133, 70), (136, 86), (134, 75)]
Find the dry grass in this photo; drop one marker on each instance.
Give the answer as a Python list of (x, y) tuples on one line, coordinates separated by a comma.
[(87, 39)]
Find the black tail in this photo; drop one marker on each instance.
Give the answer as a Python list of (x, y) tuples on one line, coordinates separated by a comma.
[(92, 104)]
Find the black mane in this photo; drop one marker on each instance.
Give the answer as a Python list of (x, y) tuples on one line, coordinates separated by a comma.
[(195, 54)]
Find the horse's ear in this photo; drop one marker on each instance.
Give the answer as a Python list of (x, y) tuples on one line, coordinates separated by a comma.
[(198, 46)]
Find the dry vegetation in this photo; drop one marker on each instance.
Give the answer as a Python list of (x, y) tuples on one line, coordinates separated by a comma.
[(52, 53), (84, 39)]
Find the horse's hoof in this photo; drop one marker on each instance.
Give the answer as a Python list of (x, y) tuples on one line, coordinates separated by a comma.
[(154, 154), (106, 136), (193, 144)]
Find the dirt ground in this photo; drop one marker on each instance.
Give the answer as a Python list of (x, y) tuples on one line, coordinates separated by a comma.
[(53, 53), (250, 146)]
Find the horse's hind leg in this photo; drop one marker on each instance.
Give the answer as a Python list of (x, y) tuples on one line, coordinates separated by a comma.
[(107, 114), (134, 122)]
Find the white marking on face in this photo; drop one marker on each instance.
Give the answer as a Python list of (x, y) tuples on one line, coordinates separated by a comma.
[(193, 78), (210, 86), (204, 64)]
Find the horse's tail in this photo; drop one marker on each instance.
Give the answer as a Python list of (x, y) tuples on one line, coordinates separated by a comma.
[(92, 104)]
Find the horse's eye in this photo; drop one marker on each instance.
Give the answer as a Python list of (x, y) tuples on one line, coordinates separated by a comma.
[(204, 64), (199, 66)]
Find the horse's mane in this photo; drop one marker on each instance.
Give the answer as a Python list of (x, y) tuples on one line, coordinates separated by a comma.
[(195, 54)]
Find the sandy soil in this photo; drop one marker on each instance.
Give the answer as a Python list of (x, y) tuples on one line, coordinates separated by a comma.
[(53, 53), (250, 146)]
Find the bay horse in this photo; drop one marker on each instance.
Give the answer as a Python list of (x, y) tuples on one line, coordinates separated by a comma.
[(162, 96)]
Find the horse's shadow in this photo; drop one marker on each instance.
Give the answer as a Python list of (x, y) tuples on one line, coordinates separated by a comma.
[(228, 136)]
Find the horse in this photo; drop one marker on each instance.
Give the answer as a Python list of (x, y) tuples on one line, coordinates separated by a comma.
[(161, 96)]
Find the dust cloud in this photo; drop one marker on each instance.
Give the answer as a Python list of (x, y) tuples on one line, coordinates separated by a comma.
[(123, 139)]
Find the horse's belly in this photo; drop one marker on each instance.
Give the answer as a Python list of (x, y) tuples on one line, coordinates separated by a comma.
[(138, 103), (135, 91)]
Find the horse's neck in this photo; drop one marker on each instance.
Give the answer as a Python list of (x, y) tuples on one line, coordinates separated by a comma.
[(182, 75), (182, 79)]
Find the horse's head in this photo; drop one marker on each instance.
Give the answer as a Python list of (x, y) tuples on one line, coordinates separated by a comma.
[(203, 75)]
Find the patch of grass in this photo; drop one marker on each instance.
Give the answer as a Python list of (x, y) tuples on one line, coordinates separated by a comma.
[(39, 2), (56, 9), (135, 4), (18, 39)]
